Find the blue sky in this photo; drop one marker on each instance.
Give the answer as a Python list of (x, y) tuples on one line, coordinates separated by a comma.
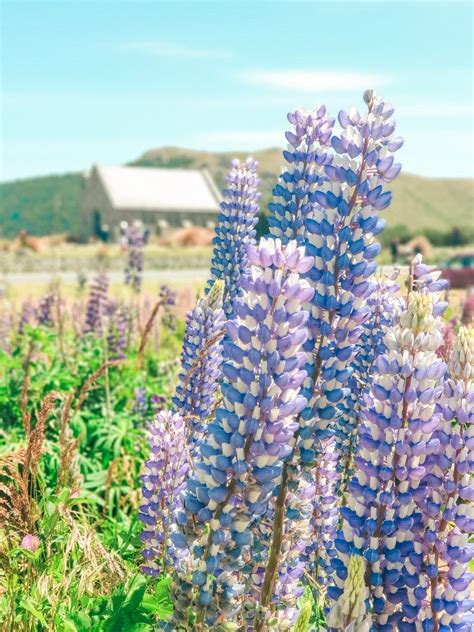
[(103, 81)]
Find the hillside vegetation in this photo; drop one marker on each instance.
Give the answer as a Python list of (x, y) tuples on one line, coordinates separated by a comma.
[(50, 204), (42, 206)]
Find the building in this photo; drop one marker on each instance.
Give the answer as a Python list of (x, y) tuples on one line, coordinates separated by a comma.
[(158, 197)]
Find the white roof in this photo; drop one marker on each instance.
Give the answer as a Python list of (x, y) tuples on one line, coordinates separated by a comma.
[(150, 189)]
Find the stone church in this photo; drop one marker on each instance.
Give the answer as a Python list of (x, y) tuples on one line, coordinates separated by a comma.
[(158, 197)]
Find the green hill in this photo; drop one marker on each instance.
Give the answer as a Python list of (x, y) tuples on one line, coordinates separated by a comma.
[(42, 206), (50, 204)]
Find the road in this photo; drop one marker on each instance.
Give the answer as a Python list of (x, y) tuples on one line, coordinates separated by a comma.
[(189, 275), (198, 275)]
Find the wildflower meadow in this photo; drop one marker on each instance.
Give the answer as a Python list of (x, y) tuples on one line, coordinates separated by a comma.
[(296, 456)]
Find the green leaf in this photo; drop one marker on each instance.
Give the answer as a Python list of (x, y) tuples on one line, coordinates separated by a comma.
[(134, 598), (302, 623), (34, 611), (83, 619)]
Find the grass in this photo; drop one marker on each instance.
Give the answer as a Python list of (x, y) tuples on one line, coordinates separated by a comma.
[(72, 444), (89, 257), (76, 257)]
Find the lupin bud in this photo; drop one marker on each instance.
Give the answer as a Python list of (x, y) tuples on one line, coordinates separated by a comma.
[(350, 610)]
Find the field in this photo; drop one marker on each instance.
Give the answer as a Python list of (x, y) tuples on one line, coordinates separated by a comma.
[(72, 447)]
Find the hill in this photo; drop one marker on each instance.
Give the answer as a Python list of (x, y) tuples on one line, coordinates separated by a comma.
[(418, 203), (50, 204), (42, 206)]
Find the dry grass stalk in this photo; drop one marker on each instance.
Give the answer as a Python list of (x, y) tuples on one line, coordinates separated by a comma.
[(19, 470), (67, 474), (121, 468), (149, 326), (36, 438), (26, 416), (15, 502), (88, 568), (88, 384)]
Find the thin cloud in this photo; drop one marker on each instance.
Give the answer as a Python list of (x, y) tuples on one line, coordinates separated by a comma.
[(245, 139), (312, 80), (159, 48), (436, 109)]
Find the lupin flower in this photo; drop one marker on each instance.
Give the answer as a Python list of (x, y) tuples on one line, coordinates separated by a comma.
[(235, 230), (241, 459), (320, 547), (383, 307), (448, 511), (44, 313), (96, 304), (117, 334), (169, 297), (162, 483), (158, 402), (27, 315), (135, 244), (196, 393), (381, 521), (340, 234), (349, 613), (424, 278), (306, 156), (140, 405)]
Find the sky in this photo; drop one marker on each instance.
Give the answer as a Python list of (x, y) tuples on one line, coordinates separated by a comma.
[(87, 82)]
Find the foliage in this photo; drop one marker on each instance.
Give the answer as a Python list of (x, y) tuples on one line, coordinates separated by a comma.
[(81, 495), (42, 206), (454, 236)]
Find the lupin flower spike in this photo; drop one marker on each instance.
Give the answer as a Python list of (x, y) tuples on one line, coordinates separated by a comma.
[(383, 307), (162, 483), (26, 316), (196, 393), (306, 156), (241, 460), (44, 313), (349, 613), (235, 230), (340, 234), (381, 521), (117, 335), (96, 304), (134, 268), (447, 507)]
